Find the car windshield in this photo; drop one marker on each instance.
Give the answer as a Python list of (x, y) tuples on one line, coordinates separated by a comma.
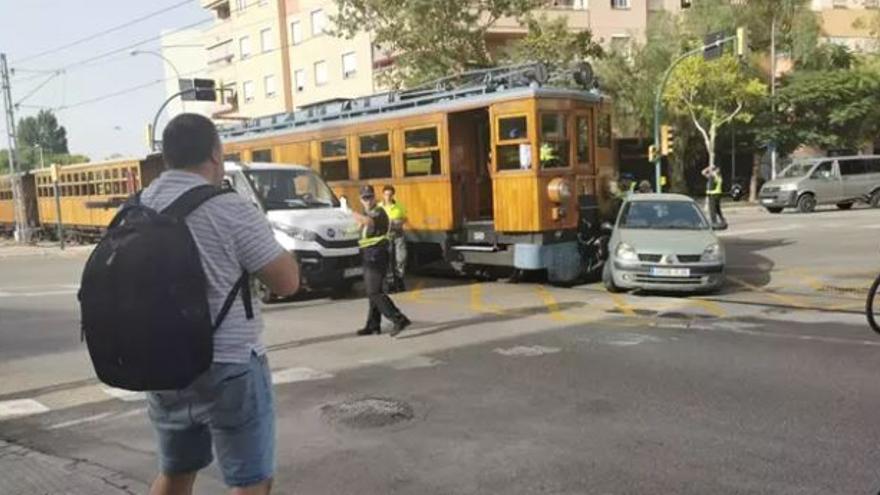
[(798, 169), (662, 215), (291, 189)]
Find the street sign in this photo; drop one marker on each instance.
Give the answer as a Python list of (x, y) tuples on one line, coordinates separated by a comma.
[(198, 89), (713, 48)]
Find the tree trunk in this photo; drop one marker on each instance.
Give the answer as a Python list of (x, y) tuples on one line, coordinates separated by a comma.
[(756, 172)]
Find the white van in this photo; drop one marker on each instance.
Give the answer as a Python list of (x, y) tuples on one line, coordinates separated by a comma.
[(841, 181), (307, 219)]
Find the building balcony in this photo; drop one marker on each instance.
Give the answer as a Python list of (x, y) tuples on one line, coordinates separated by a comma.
[(220, 7)]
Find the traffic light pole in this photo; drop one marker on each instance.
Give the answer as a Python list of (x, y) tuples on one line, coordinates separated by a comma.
[(658, 101), (171, 98), (22, 229)]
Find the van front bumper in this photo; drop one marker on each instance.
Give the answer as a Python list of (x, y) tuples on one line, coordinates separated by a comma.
[(778, 199), (319, 271)]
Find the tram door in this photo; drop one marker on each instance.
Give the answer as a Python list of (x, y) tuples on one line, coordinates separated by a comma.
[(470, 163)]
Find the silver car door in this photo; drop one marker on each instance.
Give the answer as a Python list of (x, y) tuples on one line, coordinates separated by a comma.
[(824, 181), (853, 175)]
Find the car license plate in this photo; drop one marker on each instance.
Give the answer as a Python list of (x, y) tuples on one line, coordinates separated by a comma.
[(353, 272), (767, 201), (671, 272)]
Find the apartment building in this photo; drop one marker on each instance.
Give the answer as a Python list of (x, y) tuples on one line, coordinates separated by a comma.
[(277, 55), (847, 22)]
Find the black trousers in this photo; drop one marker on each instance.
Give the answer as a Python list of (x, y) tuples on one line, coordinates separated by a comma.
[(715, 210), (375, 268)]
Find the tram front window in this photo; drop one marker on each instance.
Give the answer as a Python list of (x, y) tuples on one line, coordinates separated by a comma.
[(555, 143), (291, 189)]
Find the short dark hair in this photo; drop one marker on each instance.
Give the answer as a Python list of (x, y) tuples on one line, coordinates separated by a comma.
[(389, 187), (188, 140)]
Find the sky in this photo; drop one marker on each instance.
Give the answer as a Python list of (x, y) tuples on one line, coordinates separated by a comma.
[(101, 129)]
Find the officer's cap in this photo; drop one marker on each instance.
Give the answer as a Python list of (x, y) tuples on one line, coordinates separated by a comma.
[(367, 192)]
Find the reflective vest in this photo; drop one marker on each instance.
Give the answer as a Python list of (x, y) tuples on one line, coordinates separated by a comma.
[(367, 241), (713, 185)]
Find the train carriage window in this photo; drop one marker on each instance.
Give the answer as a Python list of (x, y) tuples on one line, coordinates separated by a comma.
[(375, 156), (232, 157), (422, 152), (261, 155), (582, 130), (514, 152), (334, 160), (555, 150)]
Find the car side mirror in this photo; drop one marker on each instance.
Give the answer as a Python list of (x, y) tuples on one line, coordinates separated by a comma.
[(606, 227)]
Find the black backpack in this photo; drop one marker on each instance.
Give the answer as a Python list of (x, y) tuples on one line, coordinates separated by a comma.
[(143, 298)]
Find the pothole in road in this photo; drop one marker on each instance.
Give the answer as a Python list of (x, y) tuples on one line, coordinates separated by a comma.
[(368, 412)]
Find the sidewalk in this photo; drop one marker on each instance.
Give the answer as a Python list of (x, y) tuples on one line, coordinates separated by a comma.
[(27, 472), (11, 249)]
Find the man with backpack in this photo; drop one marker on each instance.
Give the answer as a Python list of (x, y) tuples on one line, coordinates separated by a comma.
[(190, 335)]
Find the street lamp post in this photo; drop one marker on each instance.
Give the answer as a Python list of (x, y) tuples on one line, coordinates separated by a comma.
[(167, 61)]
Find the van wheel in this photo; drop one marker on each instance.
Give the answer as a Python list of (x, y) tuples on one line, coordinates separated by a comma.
[(264, 293), (807, 203), (608, 280), (875, 199), (844, 206), (775, 210)]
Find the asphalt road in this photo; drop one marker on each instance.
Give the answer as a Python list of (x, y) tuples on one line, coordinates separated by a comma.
[(767, 387)]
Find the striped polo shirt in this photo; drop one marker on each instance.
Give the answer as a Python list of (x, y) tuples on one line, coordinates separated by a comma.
[(232, 235)]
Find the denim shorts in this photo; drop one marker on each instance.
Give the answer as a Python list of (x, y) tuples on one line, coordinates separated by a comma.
[(229, 406)]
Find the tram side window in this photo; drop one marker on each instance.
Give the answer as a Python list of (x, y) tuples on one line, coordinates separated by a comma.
[(513, 150), (232, 157), (555, 145), (421, 155), (261, 155), (334, 160), (582, 128), (374, 157)]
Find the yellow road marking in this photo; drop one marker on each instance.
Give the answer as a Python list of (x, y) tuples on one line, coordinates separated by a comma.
[(477, 301), (712, 307), (785, 299), (415, 295), (551, 303), (621, 304)]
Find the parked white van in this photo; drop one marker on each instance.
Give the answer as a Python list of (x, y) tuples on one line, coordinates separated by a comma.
[(307, 219), (840, 180)]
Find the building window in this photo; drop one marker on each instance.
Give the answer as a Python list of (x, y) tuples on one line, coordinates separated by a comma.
[(244, 47), (349, 65), (421, 155), (266, 43), (247, 90), (240, 5), (320, 73), (334, 159), (296, 34), (299, 80), (581, 4), (620, 4), (318, 22), (375, 156), (620, 43), (872, 4), (269, 84)]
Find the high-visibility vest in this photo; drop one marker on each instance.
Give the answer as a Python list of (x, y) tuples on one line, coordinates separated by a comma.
[(366, 241), (713, 185)]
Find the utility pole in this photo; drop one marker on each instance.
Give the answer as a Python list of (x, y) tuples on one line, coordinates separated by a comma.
[(773, 91), (21, 228)]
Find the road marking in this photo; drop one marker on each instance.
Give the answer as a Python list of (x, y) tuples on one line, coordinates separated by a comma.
[(631, 339), (81, 421), (551, 303), (477, 305), (291, 375), (754, 288), (621, 304), (21, 407), (413, 362), (527, 351), (124, 395), (774, 230), (415, 295), (65, 292), (713, 308)]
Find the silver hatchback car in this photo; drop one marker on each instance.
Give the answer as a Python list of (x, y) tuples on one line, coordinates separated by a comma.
[(663, 242)]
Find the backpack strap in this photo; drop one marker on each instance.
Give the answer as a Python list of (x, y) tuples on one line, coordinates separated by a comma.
[(187, 202), (243, 284), (133, 201)]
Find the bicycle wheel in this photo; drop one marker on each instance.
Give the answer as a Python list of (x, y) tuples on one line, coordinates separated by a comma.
[(872, 306)]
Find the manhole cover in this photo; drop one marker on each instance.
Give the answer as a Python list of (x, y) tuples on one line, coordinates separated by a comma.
[(368, 412)]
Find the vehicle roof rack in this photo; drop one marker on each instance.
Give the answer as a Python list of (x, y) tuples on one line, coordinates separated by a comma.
[(467, 84)]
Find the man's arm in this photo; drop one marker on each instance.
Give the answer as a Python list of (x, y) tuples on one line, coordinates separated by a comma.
[(281, 275), (362, 220)]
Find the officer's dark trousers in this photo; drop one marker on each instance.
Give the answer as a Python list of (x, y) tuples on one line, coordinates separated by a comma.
[(375, 268), (715, 210)]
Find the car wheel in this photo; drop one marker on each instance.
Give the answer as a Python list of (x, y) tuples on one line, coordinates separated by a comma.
[(264, 293), (844, 206), (608, 279), (775, 210), (807, 203), (875, 199)]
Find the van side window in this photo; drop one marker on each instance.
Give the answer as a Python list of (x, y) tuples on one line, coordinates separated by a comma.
[(824, 170), (852, 167), (874, 166)]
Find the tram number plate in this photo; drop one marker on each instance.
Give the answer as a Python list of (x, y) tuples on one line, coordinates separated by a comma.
[(671, 272), (353, 272)]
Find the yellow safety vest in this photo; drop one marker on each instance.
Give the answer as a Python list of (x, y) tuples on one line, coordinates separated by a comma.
[(366, 241), (713, 186)]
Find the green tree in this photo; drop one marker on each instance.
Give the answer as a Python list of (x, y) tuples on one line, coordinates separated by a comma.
[(428, 39), (42, 130), (712, 93), (553, 43)]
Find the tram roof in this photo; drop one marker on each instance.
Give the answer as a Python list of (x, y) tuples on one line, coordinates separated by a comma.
[(362, 110)]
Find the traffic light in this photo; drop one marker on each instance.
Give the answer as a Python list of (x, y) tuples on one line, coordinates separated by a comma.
[(742, 42), (667, 139), (652, 153), (712, 47), (685, 4), (198, 89)]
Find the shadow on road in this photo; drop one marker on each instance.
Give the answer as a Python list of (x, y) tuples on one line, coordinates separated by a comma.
[(747, 265)]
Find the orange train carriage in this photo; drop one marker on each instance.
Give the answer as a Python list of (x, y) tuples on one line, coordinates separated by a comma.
[(501, 173), (90, 193)]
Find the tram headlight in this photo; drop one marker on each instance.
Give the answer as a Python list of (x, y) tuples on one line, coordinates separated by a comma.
[(559, 190)]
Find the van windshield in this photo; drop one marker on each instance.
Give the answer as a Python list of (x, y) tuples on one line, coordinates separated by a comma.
[(291, 189), (800, 169)]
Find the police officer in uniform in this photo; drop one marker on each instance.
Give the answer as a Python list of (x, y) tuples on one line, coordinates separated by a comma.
[(713, 194), (374, 247)]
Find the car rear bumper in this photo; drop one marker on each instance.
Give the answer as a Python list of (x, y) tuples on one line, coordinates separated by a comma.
[(699, 277)]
